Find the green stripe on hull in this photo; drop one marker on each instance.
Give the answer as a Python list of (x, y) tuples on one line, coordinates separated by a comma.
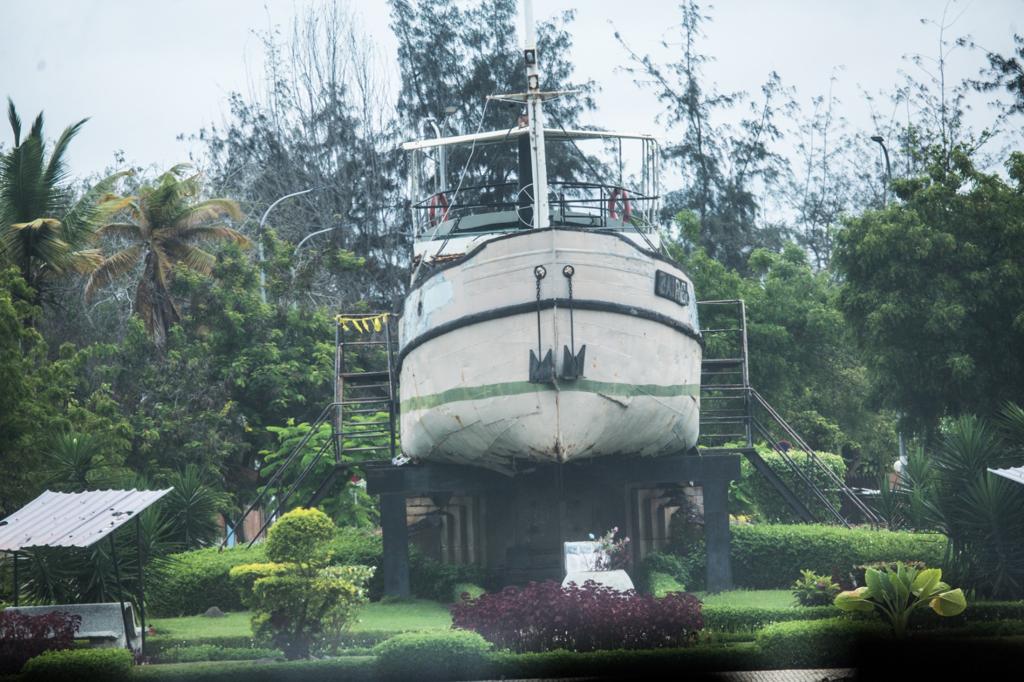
[(461, 393)]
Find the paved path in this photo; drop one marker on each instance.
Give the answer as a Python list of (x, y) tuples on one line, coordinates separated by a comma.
[(815, 675)]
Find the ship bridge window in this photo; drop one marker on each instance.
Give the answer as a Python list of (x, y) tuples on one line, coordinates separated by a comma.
[(482, 184)]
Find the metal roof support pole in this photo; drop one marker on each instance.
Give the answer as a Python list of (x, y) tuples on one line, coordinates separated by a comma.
[(120, 589), (142, 581), (17, 591)]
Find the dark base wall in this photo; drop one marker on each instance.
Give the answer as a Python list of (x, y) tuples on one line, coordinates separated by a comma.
[(515, 526)]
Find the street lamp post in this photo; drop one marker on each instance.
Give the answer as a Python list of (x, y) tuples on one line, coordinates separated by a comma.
[(888, 169), (263, 220)]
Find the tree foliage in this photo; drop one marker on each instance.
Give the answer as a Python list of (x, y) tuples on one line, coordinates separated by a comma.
[(163, 224), (45, 230), (934, 290)]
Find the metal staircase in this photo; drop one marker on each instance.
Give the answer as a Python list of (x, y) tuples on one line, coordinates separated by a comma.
[(363, 417), (733, 411)]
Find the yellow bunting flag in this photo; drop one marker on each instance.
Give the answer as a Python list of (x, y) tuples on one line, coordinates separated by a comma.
[(362, 323)]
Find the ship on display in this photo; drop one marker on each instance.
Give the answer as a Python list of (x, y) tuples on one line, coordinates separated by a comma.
[(543, 322)]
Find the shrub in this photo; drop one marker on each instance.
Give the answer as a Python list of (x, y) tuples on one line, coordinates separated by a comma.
[(432, 579), (752, 618), (464, 591), (158, 645), (24, 636), (767, 556), (74, 665), (349, 669), (188, 583), (212, 652), (659, 564), (447, 655), (765, 499), (662, 584), (300, 604), (302, 536), (360, 547), (811, 589), (816, 643), (544, 616)]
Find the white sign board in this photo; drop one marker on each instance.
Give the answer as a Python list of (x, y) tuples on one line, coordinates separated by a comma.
[(583, 556)]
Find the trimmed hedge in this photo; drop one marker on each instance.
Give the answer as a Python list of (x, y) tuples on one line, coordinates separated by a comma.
[(975, 613), (627, 665), (818, 643), (771, 556), (447, 655), (212, 652), (749, 619), (769, 505), (79, 664), (188, 583), (350, 669), (158, 645)]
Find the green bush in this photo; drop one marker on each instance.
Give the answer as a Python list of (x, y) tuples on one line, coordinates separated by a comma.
[(473, 591), (302, 536), (661, 584), (650, 664), (188, 583), (360, 547), (657, 566), (356, 547), (432, 579), (349, 669), (768, 556), (79, 664), (300, 603), (817, 643), (749, 619), (158, 645), (453, 654), (212, 652), (769, 505), (811, 589)]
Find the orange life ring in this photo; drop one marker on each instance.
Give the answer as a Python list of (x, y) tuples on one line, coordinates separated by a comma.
[(438, 200), (627, 210)]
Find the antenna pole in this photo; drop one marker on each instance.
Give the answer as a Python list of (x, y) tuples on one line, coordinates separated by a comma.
[(536, 116)]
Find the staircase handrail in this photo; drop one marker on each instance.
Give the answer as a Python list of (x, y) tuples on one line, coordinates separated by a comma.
[(317, 423), (807, 481), (813, 457)]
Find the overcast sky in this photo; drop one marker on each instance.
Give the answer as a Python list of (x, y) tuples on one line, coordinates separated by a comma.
[(146, 71)]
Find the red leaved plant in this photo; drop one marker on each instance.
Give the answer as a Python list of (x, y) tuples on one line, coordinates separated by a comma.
[(545, 616), (23, 636)]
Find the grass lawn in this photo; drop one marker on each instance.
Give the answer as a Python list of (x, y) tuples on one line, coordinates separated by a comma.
[(417, 614), (197, 627), (770, 599)]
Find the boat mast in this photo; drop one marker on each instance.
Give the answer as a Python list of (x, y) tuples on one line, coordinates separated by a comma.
[(535, 114)]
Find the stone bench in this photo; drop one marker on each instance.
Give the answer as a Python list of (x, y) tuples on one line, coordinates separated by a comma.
[(102, 624)]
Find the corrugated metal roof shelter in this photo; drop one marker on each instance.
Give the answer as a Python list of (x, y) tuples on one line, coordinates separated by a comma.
[(73, 519), (1015, 474), (79, 520)]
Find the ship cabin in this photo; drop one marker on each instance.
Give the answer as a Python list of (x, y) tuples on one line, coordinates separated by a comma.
[(456, 204)]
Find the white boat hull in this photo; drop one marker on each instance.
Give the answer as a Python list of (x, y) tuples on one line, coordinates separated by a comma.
[(468, 330)]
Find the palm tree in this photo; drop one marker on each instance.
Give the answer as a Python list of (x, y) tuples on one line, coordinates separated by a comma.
[(163, 223), (43, 230), (193, 508)]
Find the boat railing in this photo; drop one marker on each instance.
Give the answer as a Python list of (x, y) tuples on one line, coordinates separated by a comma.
[(507, 206)]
